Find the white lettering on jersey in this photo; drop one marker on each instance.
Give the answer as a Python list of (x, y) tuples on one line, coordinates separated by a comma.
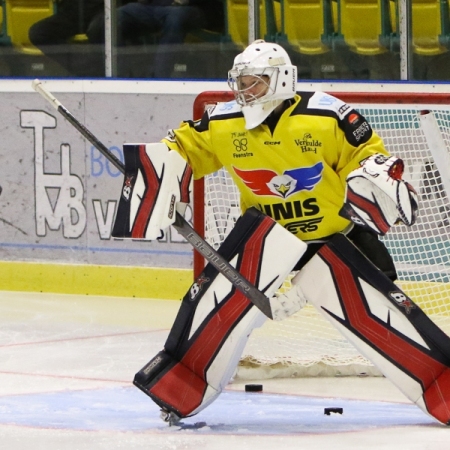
[(361, 131)]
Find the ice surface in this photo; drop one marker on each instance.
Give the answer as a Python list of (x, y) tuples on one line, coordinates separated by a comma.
[(66, 370)]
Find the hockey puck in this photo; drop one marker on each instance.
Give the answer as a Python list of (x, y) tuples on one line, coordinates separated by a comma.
[(328, 411), (253, 388)]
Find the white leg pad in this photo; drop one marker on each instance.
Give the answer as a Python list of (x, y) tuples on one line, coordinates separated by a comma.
[(386, 326)]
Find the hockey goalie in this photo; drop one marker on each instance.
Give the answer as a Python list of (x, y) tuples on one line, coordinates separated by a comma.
[(317, 188)]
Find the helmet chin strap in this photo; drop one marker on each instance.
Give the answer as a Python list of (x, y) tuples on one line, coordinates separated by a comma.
[(256, 114)]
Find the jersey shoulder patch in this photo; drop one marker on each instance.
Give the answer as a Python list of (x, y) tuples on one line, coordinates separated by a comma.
[(225, 110), (355, 127), (324, 101)]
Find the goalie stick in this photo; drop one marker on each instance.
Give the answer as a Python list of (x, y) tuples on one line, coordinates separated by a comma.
[(180, 224)]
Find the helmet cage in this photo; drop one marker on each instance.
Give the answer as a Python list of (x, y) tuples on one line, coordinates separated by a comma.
[(267, 76)]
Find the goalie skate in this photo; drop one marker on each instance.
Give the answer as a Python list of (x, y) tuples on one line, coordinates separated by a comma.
[(169, 417)]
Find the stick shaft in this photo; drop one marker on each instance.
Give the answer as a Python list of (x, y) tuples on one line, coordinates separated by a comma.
[(38, 87), (181, 225)]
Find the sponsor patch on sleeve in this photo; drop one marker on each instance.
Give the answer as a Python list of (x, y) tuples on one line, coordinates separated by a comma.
[(356, 129)]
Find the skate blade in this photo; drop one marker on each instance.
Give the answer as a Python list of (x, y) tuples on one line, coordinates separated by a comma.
[(169, 417)]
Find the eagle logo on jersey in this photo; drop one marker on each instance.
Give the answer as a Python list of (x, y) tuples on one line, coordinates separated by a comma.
[(268, 182)]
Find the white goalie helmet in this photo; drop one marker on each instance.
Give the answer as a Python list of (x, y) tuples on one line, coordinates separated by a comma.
[(273, 78)]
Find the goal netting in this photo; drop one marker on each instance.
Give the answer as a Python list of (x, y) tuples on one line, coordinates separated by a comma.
[(306, 344)]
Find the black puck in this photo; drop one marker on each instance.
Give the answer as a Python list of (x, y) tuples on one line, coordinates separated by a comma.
[(328, 411), (253, 388)]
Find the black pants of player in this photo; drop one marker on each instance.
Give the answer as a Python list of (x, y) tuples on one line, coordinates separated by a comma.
[(368, 243)]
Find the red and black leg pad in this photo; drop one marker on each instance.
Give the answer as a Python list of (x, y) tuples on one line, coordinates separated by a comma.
[(382, 322), (215, 319), (155, 180)]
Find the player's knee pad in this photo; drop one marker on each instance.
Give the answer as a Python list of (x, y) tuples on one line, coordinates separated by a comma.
[(381, 322), (215, 319), (156, 186)]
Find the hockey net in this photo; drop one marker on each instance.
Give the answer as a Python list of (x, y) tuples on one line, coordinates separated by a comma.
[(306, 344)]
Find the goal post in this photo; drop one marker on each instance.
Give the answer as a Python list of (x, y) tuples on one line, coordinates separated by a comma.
[(414, 127)]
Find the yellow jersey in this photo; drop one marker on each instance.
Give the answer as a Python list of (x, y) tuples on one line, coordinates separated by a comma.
[(294, 171)]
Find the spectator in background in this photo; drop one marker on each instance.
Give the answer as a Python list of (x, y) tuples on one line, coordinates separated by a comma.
[(171, 20), (53, 35)]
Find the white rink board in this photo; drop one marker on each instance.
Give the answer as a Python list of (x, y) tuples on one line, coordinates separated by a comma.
[(62, 210)]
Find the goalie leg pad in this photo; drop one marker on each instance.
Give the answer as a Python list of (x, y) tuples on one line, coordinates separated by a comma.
[(156, 185), (382, 323), (215, 319)]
